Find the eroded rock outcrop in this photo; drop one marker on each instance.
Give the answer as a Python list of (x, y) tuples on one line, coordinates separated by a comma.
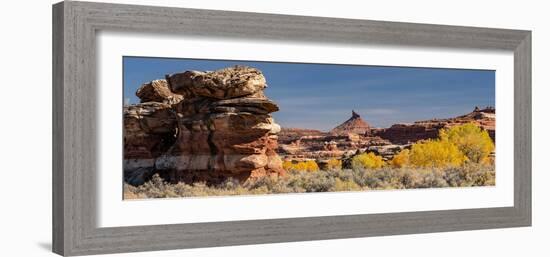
[(149, 131), (238, 81), (406, 133), (157, 91), (429, 129), (222, 128)]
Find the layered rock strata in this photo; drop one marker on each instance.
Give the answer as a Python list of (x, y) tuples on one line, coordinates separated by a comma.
[(223, 128), (149, 131), (429, 129)]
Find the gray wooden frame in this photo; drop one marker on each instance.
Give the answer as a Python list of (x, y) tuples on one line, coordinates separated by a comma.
[(74, 128)]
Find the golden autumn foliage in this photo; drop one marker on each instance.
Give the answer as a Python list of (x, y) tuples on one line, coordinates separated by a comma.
[(435, 153), (401, 159), (309, 166), (334, 164), (474, 142), (367, 161), (453, 148)]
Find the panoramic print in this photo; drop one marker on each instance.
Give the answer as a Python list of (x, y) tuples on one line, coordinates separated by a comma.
[(199, 128)]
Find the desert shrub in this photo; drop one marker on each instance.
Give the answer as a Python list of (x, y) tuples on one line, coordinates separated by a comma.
[(367, 161), (472, 174), (388, 178), (365, 178), (484, 178), (474, 142), (467, 175), (346, 174), (334, 164), (435, 154), (345, 185), (272, 184), (156, 188), (361, 177), (308, 165), (401, 159), (320, 181), (431, 178), (130, 193)]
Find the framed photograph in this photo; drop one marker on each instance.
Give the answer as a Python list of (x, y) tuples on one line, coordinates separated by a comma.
[(181, 128)]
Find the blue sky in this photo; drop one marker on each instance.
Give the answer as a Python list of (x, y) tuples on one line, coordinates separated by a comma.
[(321, 96)]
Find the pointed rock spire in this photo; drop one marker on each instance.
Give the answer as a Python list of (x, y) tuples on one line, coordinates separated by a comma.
[(355, 125), (354, 114)]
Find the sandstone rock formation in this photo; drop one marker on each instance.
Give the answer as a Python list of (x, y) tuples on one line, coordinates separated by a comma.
[(157, 91), (145, 126), (304, 144), (221, 129), (429, 129), (239, 81), (403, 133), (289, 135), (149, 131), (355, 125)]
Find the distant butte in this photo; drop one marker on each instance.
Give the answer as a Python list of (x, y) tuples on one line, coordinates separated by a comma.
[(355, 125)]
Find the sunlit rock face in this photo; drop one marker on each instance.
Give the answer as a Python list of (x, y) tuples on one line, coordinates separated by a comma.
[(355, 125), (220, 128), (157, 91), (429, 129)]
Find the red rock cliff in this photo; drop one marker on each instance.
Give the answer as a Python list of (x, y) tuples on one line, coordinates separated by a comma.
[(427, 129)]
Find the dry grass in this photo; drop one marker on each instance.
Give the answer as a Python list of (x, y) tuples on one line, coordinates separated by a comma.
[(468, 175)]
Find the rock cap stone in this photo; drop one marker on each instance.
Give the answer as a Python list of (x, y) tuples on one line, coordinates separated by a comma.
[(157, 91), (227, 83)]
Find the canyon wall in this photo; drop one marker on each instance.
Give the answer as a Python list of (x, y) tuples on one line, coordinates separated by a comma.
[(429, 129)]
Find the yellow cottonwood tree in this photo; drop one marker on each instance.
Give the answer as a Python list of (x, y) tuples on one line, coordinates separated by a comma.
[(367, 161), (308, 166), (401, 159), (471, 140), (334, 164), (436, 153)]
